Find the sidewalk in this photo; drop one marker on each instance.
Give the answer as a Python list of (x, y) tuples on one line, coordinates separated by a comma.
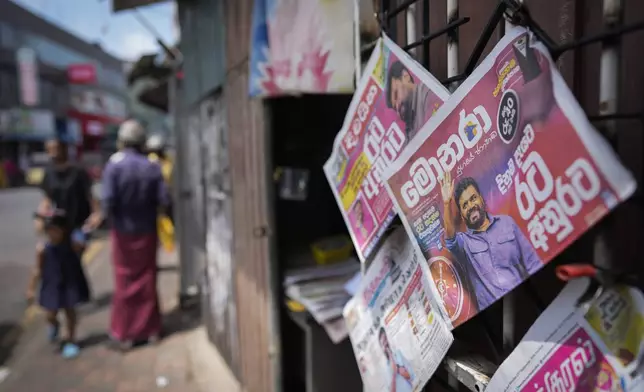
[(168, 366)]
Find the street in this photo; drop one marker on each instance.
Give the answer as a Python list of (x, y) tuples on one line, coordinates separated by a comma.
[(17, 256), (29, 363)]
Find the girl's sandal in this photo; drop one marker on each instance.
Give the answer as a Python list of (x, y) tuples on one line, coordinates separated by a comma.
[(70, 350)]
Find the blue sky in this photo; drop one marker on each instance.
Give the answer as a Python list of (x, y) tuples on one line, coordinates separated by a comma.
[(120, 34)]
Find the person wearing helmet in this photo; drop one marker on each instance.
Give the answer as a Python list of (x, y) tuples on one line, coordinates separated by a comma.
[(156, 148), (134, 192)]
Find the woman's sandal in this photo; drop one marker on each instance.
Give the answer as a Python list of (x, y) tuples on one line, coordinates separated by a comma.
[(123, 347)]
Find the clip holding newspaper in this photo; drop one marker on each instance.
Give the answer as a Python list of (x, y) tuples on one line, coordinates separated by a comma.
[(394, 99), (505, 175), (569, 349), (398, 337)]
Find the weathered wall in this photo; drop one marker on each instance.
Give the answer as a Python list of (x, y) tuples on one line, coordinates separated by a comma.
[(229, 140), (203, 47), (250, 168)]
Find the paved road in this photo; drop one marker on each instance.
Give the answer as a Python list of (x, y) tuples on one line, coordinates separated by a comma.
[(17, 256)]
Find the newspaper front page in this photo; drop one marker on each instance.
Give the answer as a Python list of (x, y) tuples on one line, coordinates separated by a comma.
[(398, 337), (576, 349), (394, 99), (504, 176)]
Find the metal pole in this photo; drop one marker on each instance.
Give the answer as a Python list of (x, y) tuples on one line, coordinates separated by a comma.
[(358, 66), (410, 15), (609, 68), (356, 40), (509, 300), (452, 43), (179, 164), (507, 25), (608, 84), (452, 70)]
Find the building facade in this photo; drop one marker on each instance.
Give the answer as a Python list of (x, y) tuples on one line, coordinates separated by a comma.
[(79, 89)]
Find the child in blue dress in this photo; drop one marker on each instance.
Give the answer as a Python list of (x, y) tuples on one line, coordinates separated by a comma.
[(63, 284)]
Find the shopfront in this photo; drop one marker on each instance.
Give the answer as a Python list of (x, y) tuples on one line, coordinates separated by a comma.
[(95, 110)]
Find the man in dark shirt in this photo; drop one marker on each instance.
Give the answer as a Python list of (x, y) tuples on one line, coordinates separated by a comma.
[(68, 187), (410, 100)]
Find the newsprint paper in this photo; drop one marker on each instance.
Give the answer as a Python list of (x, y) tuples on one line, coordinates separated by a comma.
[(398, 338), (598, 349)]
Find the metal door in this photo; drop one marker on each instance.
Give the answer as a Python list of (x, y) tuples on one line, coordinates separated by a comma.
[(221, 311)]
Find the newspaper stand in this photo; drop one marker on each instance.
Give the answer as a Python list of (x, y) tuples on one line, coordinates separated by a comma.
[(327, 366), (482, 343), (304, 129)]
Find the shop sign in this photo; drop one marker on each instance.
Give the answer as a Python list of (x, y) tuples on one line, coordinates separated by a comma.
[(95, 128), (81, 73), (506, 175), (28, 76), (97, 102), (27, 123)]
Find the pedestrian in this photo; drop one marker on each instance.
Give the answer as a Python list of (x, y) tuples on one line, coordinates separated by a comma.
[(134, 193), (68, 187), (156, 149), (63, 285), (12, 172)]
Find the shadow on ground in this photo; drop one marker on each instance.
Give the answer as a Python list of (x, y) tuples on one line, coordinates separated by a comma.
[(168, 268), (105, 300), (175, 321), (9, 336), (96, 305)]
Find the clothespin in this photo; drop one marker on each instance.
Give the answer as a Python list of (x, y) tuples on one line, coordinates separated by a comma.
[(599, 279)]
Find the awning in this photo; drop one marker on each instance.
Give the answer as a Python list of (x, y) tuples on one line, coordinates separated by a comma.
[(123, 5), (156, 96), (156, 76)]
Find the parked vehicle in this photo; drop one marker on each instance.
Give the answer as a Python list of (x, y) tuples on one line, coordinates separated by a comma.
[(37, 163)]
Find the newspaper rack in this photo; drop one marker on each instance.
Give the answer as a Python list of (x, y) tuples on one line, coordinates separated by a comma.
[(461, 366)]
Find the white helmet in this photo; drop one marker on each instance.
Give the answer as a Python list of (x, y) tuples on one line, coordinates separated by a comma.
[(155, 142)]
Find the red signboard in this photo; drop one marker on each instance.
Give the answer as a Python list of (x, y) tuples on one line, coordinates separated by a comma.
[(81, 73)]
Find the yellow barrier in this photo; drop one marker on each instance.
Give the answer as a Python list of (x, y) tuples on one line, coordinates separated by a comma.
[(3, 178)]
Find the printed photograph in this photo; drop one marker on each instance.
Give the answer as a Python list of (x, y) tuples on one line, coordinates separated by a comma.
[(361, 220)]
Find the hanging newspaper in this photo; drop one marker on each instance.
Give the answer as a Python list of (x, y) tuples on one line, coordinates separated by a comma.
[(398, 338), (504, 176), (395, 98), (568, 349), (301, 46)]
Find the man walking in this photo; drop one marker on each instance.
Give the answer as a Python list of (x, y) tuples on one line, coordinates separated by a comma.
[(134, 192)]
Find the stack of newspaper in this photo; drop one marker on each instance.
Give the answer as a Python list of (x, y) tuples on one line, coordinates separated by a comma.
[(321, 290)]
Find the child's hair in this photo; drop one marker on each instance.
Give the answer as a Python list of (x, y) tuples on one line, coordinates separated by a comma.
[(55, 218)]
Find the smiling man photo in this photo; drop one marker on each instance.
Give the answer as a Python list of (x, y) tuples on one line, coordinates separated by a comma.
[(493, 251)]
